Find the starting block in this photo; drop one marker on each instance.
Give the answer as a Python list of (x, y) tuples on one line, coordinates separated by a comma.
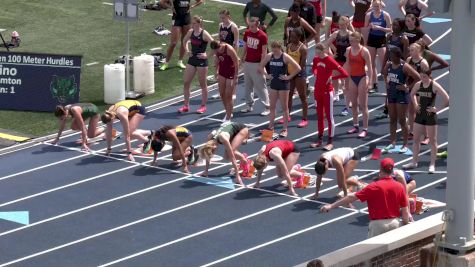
[(250, 173), (267, 135), (396, 150)]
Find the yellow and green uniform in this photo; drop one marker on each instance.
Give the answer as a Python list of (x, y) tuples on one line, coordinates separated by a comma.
[(134, 107)]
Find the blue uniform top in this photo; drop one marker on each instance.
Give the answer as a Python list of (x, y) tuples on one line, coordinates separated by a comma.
[(377, 21), (277, 67)]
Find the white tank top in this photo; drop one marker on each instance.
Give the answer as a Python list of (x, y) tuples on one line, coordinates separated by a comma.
[(345, 153)]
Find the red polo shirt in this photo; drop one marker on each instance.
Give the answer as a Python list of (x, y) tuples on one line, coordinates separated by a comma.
[(254, 42), (385, 198)]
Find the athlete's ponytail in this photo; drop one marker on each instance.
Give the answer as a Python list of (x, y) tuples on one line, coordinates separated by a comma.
[(214, 45), (208, 149), (108, 116), (261, 162), (59, 111), (321, 166)]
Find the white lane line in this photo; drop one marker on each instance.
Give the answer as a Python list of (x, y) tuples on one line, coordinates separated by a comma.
[(279, 239), (84, 153), (41, 167), (67, 185), (107, 3), (213, 119), (430, 184), (135, 163), (208, 21), (440, 37), (203, 232), (155, 48), (92, 63)]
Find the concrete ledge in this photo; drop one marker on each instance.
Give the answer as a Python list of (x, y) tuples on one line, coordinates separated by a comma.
[(373, 247)]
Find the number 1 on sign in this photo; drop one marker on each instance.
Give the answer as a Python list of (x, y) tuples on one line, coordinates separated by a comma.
[(12, 90)]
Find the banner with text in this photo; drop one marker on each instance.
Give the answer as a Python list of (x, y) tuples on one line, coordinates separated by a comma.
[(38, 82)]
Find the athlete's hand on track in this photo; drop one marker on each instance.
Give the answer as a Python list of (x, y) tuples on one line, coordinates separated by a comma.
[(292, 192), (239, 181), (186, 169), (326, 208), (85, 147)]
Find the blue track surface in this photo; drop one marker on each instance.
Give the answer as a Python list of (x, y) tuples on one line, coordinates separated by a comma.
[(89, 210)]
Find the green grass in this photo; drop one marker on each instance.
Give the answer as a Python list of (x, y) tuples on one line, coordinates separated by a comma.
[(86, 28)]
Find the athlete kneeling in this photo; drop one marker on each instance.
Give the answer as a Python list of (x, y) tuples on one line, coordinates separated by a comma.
[(285, 154)]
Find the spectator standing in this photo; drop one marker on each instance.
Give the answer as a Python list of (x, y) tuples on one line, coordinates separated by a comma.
[(255, 50), (257, 9)]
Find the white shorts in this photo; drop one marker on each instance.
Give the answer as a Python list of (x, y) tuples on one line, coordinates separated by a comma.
[(377, 227)]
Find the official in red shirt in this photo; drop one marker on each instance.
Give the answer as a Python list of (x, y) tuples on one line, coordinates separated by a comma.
[(323, 67), (386, 198), (254, 51)]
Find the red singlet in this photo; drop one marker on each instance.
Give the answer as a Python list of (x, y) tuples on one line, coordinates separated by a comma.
[(285, 146), (357, 63), (226, 65)]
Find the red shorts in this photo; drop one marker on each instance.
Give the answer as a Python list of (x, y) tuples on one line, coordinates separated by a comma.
[(357, 24)]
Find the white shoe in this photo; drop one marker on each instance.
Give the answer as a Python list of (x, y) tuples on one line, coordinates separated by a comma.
[(388, 148), (409, 166), (215, 96), (265, 112), (431, 169), (247, 109), (224, 118)]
